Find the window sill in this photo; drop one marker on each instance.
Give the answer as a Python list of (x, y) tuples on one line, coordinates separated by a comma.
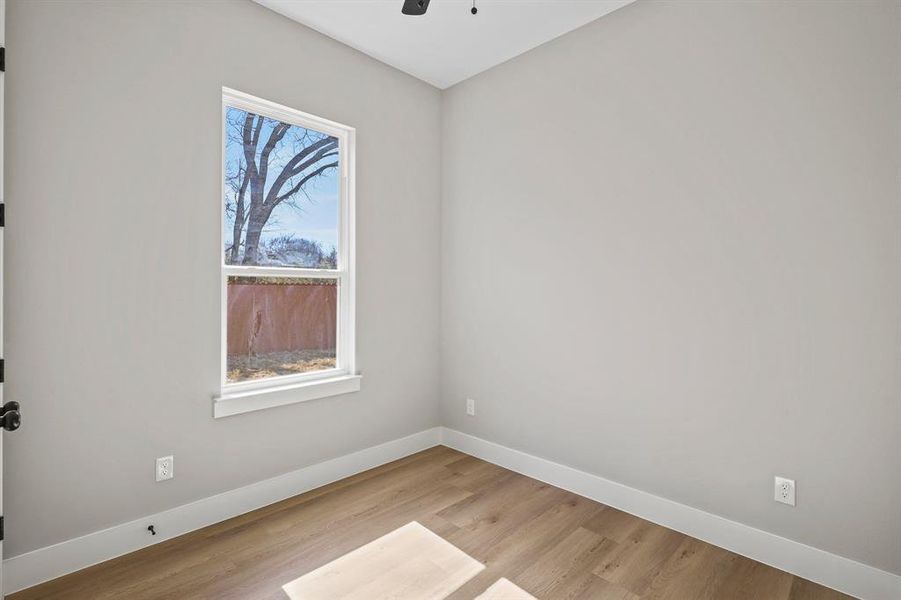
[(235, 403)]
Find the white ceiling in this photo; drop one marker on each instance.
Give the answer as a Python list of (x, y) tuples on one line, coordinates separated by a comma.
[(447, 44)]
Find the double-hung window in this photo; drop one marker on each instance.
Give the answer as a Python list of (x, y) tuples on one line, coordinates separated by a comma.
[(286, 257)]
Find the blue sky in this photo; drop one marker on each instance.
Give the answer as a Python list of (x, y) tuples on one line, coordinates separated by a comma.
[(315, 217)]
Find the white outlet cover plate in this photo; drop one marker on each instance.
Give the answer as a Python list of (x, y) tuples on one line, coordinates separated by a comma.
[(785, 490), (470, 407), (165, 468)]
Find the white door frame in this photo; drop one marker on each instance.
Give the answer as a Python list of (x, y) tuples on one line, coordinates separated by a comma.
[(2, 113)]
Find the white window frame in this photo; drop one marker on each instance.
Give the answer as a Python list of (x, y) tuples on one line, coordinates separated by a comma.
[(244, 396)]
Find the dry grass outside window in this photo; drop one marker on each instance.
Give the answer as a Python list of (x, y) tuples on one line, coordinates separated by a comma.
[(274, 364)]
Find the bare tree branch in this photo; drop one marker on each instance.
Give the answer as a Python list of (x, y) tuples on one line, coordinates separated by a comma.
[(240, 218), (273, 197), (278, 132), (305, 179), (291, 168)]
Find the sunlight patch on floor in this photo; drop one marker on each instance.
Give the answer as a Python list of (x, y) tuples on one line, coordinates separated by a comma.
[(410, 563), (504, 589)]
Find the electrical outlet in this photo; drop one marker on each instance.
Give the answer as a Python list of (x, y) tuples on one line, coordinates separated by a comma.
[(470, 407), (165, 468), (785, 491)]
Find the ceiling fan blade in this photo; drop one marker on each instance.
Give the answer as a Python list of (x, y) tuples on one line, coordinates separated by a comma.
[(415, 7)]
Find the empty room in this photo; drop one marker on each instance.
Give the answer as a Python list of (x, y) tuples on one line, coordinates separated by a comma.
[(450, 299)]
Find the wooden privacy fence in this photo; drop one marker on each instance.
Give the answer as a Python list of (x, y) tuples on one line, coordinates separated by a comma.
[(275, 317)]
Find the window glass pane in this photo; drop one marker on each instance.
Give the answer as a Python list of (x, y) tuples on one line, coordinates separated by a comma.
[(278, 326), (281, 193)]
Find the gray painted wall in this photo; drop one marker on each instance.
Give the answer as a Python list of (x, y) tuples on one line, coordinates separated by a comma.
[(112, 286), (671, 258)]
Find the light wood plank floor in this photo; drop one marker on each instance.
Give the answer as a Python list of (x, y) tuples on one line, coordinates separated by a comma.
[(549, 542)]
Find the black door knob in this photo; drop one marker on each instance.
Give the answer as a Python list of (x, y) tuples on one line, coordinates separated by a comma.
[(11, 420)]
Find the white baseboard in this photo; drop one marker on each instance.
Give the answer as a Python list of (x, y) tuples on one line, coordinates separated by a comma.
[(843, 574), (32, 568)]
